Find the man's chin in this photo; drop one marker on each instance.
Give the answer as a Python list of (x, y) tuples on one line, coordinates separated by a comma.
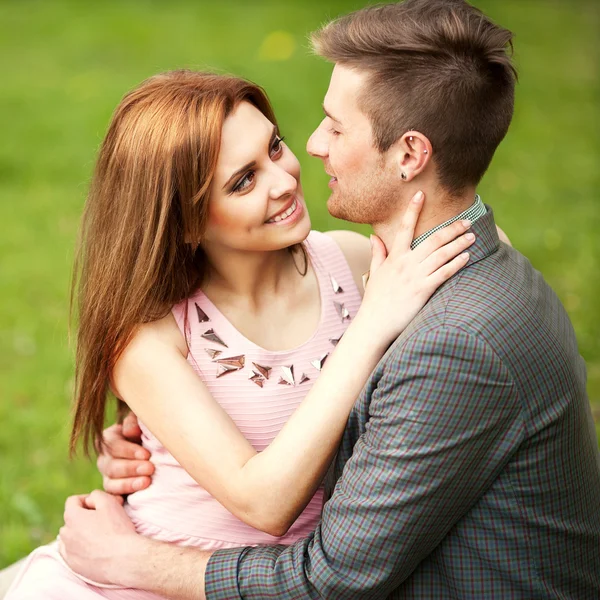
[(336, 208), (339, 210)]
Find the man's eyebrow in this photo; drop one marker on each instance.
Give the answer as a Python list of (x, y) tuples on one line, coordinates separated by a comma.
[(331, 116), (250, 164)]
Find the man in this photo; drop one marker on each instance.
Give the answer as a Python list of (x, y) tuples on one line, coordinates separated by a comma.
[(469, 466)]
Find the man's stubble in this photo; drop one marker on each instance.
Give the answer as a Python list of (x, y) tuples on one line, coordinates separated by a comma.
[(370, 199)]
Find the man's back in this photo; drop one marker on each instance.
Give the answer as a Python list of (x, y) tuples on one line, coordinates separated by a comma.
[(487, 437), (470, 464)]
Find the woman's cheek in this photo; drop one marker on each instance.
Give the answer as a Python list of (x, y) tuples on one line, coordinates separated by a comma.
[(293, 166)]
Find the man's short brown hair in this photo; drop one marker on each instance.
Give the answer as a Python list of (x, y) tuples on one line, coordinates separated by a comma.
[(440, 67)]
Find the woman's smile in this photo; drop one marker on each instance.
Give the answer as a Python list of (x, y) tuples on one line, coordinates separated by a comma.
[(289, 215)]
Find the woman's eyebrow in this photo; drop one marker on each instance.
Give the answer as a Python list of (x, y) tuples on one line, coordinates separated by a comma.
[(252, 163)]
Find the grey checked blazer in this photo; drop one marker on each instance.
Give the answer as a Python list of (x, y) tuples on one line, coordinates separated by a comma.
[(469, 468)]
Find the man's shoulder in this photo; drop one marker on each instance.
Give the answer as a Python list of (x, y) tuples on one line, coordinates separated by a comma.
[(496, 290), (501, 301)]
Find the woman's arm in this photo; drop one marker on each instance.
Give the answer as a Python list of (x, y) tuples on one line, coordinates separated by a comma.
[(503, 237), (268, 490)]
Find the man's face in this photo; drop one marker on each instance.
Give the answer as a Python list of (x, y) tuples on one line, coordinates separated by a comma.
[(364, 183)]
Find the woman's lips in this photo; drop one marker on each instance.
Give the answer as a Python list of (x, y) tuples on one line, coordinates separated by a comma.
[(293, 213)]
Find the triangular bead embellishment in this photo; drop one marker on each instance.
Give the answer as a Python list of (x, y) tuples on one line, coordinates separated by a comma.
[(319, 362), (337, 288), (225, 370), (211, 336), (202, 316), (262, 369), (256, 378), (341, 310), (287, 375), (234, 361)]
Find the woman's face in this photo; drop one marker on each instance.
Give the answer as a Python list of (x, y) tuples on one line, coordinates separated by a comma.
[(256, 201)]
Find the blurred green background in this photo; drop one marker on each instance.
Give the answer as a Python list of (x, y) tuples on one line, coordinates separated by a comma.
[(65, 65)]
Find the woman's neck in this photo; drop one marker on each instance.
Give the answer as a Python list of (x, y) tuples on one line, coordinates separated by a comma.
[(254, 277)]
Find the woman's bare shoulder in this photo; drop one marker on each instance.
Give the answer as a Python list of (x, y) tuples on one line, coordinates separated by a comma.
[(357, 251), (150, 339)]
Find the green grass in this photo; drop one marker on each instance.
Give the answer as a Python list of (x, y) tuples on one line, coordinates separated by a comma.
[(65, 66)]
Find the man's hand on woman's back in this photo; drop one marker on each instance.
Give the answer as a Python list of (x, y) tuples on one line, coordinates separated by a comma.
[(125, 466)]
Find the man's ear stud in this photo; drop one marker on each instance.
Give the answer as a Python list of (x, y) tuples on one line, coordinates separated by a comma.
[(403, 175)]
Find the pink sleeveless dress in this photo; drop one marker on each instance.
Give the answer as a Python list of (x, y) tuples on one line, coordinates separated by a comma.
[(259, 389)]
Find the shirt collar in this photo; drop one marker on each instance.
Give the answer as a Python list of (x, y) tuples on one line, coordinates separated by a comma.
[(474, 212)]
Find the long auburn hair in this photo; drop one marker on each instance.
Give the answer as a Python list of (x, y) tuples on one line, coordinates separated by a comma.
[(145, 214)]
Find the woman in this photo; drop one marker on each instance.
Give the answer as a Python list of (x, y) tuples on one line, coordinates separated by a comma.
[(211, 310)]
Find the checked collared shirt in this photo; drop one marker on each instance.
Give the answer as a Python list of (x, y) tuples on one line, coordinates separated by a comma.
[(469, 467)]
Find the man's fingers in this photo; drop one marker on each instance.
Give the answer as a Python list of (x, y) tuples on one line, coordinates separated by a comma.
[(72, 505), (90, 501), (73, 502), (406, 232), (100, 499), (123, 487), (95, 499), (61, 544), (120, 468), (131, 428), (118, 447)]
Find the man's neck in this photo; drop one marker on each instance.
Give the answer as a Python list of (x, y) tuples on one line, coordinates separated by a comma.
[(436, 210)]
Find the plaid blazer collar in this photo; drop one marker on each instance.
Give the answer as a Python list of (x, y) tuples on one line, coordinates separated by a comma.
[(487, 240)]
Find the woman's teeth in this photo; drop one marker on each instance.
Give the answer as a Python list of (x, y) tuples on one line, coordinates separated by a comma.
[(285, 214)]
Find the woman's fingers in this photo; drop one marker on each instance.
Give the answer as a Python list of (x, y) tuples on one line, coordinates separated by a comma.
[(448, 270), (378, 254), (441, 238), (406, 232), (446, 253)]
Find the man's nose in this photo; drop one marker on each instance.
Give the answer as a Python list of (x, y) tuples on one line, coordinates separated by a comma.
[(317, 143)]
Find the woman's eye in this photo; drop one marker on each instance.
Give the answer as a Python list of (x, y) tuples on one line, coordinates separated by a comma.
[(277, 146), (248, 179), (334, 131), (245, 181)]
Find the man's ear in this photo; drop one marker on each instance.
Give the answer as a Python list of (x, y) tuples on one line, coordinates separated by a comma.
[(413, 153)]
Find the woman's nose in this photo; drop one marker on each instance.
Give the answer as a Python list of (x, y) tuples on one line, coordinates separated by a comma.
[(283, 184)]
